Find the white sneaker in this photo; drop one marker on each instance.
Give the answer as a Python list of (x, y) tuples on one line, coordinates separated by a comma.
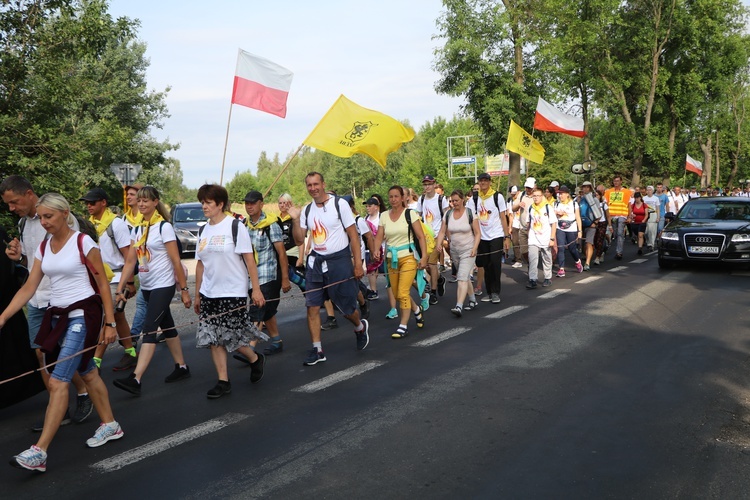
[(105, 433), (516, 265), (596, 261)]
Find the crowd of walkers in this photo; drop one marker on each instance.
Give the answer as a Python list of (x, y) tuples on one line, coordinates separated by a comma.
[(82, 271)]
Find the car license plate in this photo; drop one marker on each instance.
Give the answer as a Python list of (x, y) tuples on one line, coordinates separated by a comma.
[(703, 249)]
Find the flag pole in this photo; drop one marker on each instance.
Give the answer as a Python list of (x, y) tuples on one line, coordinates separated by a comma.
[(283, 169), (226, 140)]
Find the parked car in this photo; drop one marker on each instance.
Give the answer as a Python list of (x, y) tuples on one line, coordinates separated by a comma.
[(187, 219), (713, 229)]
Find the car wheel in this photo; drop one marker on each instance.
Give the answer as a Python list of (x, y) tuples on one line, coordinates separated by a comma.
[(664, 264)]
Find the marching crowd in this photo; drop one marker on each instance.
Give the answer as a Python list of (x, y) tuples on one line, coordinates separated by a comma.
[(82, 271)]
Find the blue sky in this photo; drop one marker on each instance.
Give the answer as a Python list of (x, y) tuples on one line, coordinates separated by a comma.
[(378, 54)]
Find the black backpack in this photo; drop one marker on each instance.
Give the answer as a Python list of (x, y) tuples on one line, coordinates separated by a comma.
[(440, 204), (475, 197)]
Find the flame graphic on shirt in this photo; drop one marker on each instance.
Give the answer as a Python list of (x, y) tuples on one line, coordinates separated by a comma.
[(428, 217), (484, 214), (143, 254), (319, 232)]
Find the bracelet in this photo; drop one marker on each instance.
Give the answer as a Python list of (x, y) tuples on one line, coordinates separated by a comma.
[(20, 259), (185, 289)]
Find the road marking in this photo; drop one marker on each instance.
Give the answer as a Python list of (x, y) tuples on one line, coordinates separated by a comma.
[(652, 252), (638, 261), (618, 268), (453, 332), (337, 377), (590, 279), (155, 447), (554, 293), (506, 312)]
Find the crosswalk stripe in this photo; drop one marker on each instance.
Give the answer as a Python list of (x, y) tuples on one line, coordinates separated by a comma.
[(554, 293), (337, 377)]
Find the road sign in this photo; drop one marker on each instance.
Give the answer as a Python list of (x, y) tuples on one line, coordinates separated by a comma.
[(126, 173)]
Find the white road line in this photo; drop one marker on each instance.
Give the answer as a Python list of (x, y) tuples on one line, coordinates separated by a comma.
[(453, 332), (337, 377), (155, 447), (590, 279), (506, 312), (618, 268), (638, 261), (652, 252), (554, 293)]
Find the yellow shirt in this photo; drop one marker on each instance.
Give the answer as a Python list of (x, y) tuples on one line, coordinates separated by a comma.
[(618, 201), (397, 233)]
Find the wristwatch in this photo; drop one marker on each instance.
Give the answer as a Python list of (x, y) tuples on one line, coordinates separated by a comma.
[(113, 324)]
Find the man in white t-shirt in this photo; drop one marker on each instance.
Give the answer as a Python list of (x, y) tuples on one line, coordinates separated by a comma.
[(676, 199), (330, 272), (652, 222), (114, 245), (521, 206), (541, 237), (431, 206), (489, 208)]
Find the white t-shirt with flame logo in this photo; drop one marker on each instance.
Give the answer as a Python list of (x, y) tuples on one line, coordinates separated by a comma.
[(326, 230)]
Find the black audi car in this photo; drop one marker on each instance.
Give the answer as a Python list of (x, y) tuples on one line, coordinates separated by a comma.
[(708, 230)]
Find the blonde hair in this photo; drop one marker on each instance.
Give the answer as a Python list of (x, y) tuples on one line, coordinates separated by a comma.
[(57, 202), (286, 197), (151, 193)]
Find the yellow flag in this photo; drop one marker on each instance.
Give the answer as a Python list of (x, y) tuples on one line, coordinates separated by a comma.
[(519, 141), (348, 128)]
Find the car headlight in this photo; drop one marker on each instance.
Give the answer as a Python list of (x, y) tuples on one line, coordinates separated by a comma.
[(741, 238), (184, 233), (670, 236)]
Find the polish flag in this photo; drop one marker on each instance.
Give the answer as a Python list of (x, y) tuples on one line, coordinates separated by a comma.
[(261, 84), (549, 119), (693, 165)]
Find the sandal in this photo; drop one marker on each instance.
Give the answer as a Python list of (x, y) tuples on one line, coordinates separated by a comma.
[(471, 306), (419, 318), (400, 333)]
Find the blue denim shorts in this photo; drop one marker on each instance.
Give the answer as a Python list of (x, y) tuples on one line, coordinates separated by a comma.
[(34, 316), (71, 343)]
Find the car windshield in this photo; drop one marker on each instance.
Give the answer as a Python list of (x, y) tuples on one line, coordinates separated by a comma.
[(185, 214), (715, 210)]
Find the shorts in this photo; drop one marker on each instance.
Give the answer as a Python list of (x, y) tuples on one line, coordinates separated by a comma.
[(343, 294), (71, 344), (434, 257), (271, 292), (590, 233), (34, 317)]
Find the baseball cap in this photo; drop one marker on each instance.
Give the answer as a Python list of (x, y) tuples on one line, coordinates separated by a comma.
[(253, 197), (513, 189), (95, 194), (564, 189), (555, 184), (587, 183), (371, 201), (484, 176), (530, 182), (428, 178)]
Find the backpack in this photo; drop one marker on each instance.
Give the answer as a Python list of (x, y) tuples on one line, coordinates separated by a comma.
[(475, 197), (356, 225), (449, 213), (440, 204), (338, 211), (585, 210), (286, 233), (546, 206), (429, 234)]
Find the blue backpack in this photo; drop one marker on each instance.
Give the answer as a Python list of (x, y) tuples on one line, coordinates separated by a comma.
[(585, 210)]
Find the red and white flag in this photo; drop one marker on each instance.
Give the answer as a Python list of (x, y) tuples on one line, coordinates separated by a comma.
[(261, 84), (693, 165), (549, 119)]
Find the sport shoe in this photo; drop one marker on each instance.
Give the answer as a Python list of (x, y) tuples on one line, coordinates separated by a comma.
[(441, 286), (222, 387), (400, 333), (425, 302), (486, 298), (32, 459), (363, 337), (433, 298), (364, 310), (457, 311), (547, 283), (256, 369), (129, 384), (531, 285), (104, 434), (393, 313), (517, 265), (329, 324), (586, 267), (618, 256), (453, 279), (579, 266), (478, 291), (39, 426), (314, 356), (640, 251), (495, 298), (372, 295), (127, 362), (561, 273), (274, 348), (177, 374), (84, 407), (596, 261)]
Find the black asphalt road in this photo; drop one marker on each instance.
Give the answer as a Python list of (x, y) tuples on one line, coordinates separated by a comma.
[(632, 383)]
